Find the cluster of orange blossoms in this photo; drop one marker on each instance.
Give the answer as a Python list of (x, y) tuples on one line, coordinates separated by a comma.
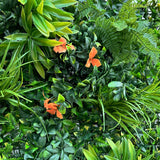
[(52, 108), (92, 60), (63, 47)]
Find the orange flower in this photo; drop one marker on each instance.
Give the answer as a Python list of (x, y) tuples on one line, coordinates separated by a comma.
[(62, 48), (91, 59), (52, 108)]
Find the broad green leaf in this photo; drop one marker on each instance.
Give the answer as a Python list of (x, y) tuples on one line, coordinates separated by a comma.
[(47, 15), (40, 69), (89, 155), (45, 154), (61, 99), (68, 123), (131, 150), (65, 31), (17, 37), (24, 23), (40, 24), (61, 25), (29, 5), (66, 157), (114, 148), (42, 141), (114, 84), (54, 157), (40, 7), (49, 3), (50, 27), (80, 84), (125, 149), (47, 42), (63, 3), (110, 158), (60, 14), (91, 150), (22, 1), (69, 150)]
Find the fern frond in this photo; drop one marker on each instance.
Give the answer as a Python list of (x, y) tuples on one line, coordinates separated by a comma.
[(128, 10), (88, 9), (107, 34)]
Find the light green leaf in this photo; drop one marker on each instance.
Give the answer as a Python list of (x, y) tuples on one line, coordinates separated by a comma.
[(60, 14), (22, 1), (63, 3), (131, 150), (90, 148), (114, 147), (40, 24), (110, 158), (54, 157), (89, 155), (40, 7), (61, 99), (69, 149), (47, 42), (17, 37), (114, 84), (61, 25), (50, 27)]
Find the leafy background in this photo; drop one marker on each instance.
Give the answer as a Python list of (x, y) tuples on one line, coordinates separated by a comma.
[(109, 112)]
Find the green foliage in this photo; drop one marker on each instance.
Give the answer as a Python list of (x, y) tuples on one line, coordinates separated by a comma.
[(10, 74), (124, 150), (40, 20), (90, 154), (118, 100), (120, 34)]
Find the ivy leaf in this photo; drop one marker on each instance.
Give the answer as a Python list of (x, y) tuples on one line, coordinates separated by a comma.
[(61, 99)]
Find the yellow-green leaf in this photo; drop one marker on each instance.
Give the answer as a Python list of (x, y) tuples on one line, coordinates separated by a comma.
[(63, 3), (40, 24), (40, 7), (61, 25), (17, 37), (50, 27), (47, 42), (22, 1)]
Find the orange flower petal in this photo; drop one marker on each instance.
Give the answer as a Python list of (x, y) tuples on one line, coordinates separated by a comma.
[(46, 102), (63, 40), (60, 49), (51, 111), (96, 62), (88, 64), (92, 53), (52, 106), (59, 115)]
